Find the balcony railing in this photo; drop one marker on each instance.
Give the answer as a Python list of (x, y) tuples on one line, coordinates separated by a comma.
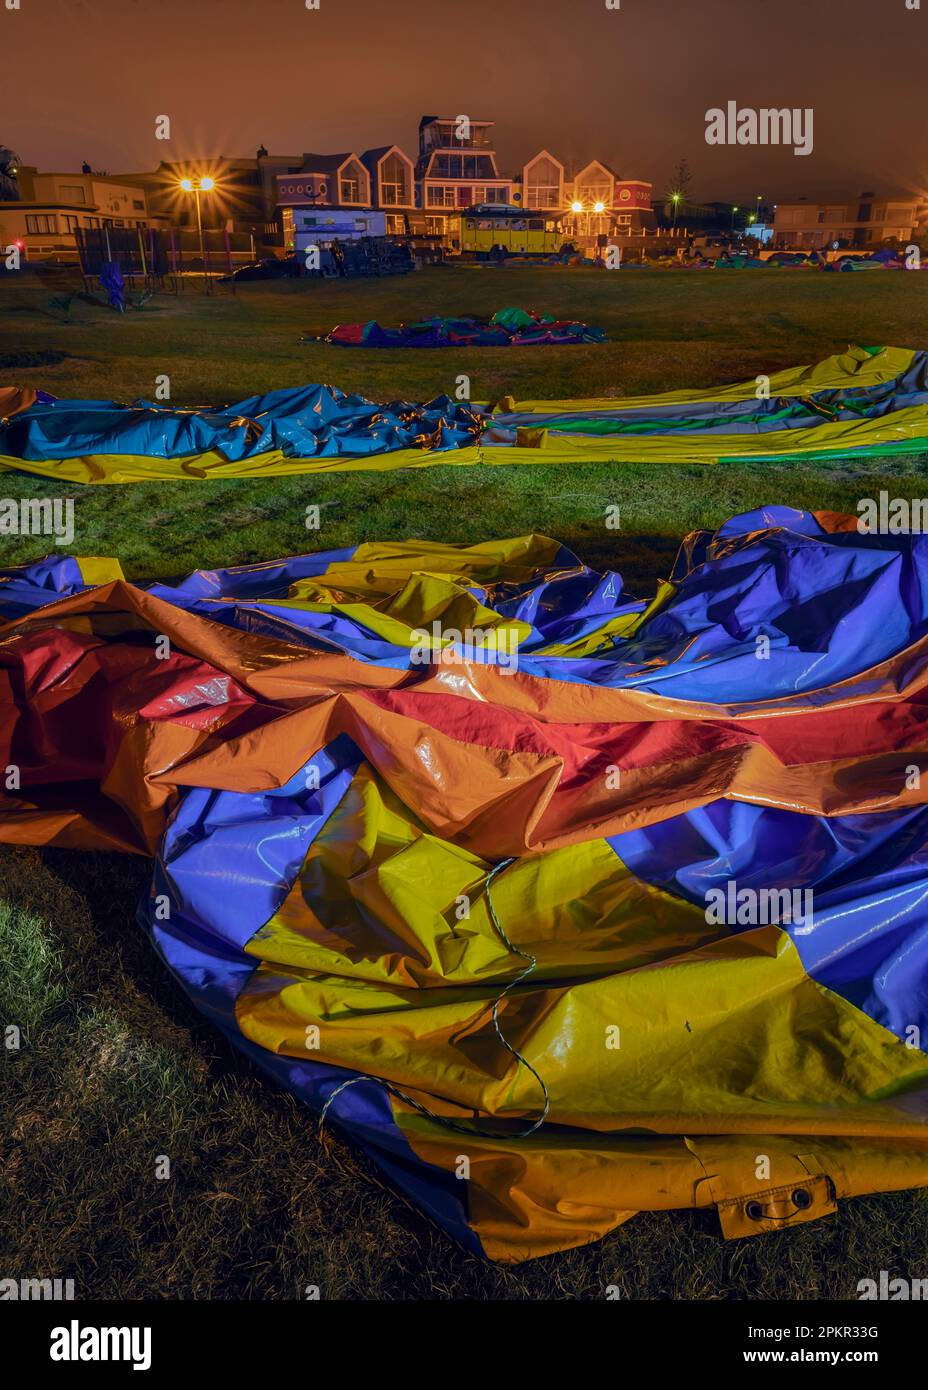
[(447, 140)]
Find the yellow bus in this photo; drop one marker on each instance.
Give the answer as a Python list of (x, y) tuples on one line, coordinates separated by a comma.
[(500, 229)]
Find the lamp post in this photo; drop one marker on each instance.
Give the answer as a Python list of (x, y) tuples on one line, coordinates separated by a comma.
[(197, 185), (733, 211), (675, 199)]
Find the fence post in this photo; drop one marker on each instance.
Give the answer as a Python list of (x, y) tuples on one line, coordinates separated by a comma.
[(228, 241), (173, 256)]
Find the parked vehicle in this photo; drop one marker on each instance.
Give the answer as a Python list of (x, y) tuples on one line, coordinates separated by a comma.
[(270, 268)]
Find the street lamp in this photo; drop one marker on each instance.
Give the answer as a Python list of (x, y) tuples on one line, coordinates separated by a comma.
[(733, 211), (675, 199), (197, 185)]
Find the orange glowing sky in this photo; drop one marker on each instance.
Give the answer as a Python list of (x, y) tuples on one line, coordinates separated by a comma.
[(85, 79)]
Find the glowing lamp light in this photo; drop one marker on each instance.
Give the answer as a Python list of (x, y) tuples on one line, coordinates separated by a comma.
[(199, 183), (599, 207), (576, 207)]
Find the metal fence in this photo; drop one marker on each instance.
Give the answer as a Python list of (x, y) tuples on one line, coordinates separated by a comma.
[(138, 251), (151, 253)]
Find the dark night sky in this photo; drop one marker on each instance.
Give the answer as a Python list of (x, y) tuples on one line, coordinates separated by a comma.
[(85, 79)]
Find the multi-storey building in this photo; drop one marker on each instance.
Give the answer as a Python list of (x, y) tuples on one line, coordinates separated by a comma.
[(337, 194), (456, 169), (51, 207), (392, 178), (260, 199), (243, 200), (592, 202), (858, 222)]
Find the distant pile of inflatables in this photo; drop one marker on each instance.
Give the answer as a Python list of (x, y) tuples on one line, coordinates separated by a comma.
[(508, 327), (792, 260)]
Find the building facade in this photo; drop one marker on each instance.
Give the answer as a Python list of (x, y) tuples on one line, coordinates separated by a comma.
[(52, 207), (392, 177), (261, 199), (543, 184), (592, 202), (456, 169), (243, 201), (348, 194), (858, 223)]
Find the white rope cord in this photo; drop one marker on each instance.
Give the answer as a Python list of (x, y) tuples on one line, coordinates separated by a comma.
[(459, 1128)]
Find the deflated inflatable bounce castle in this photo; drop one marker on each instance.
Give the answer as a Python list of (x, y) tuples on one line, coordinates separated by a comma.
[(865, 402), (563, 904), (508, 327)]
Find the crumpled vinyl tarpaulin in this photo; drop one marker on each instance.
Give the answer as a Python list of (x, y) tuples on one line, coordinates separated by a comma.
[(441, 832), (16, 398), (866, 402), (310, 421)]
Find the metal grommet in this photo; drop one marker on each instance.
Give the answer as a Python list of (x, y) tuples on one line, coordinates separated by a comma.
[(802, 1199), (754, 1211)]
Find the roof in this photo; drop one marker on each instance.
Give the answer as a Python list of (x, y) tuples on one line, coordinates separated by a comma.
[(42, 204), (836, 199), (544, 154), (450, 120), (325, 163), (371, 158), (602, 164), (124, 179)]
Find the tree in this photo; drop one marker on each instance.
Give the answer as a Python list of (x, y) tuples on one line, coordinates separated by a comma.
[(9, 167), (677, 193)]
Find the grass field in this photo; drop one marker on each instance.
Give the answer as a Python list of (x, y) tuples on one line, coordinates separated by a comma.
[(117, 1067)]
